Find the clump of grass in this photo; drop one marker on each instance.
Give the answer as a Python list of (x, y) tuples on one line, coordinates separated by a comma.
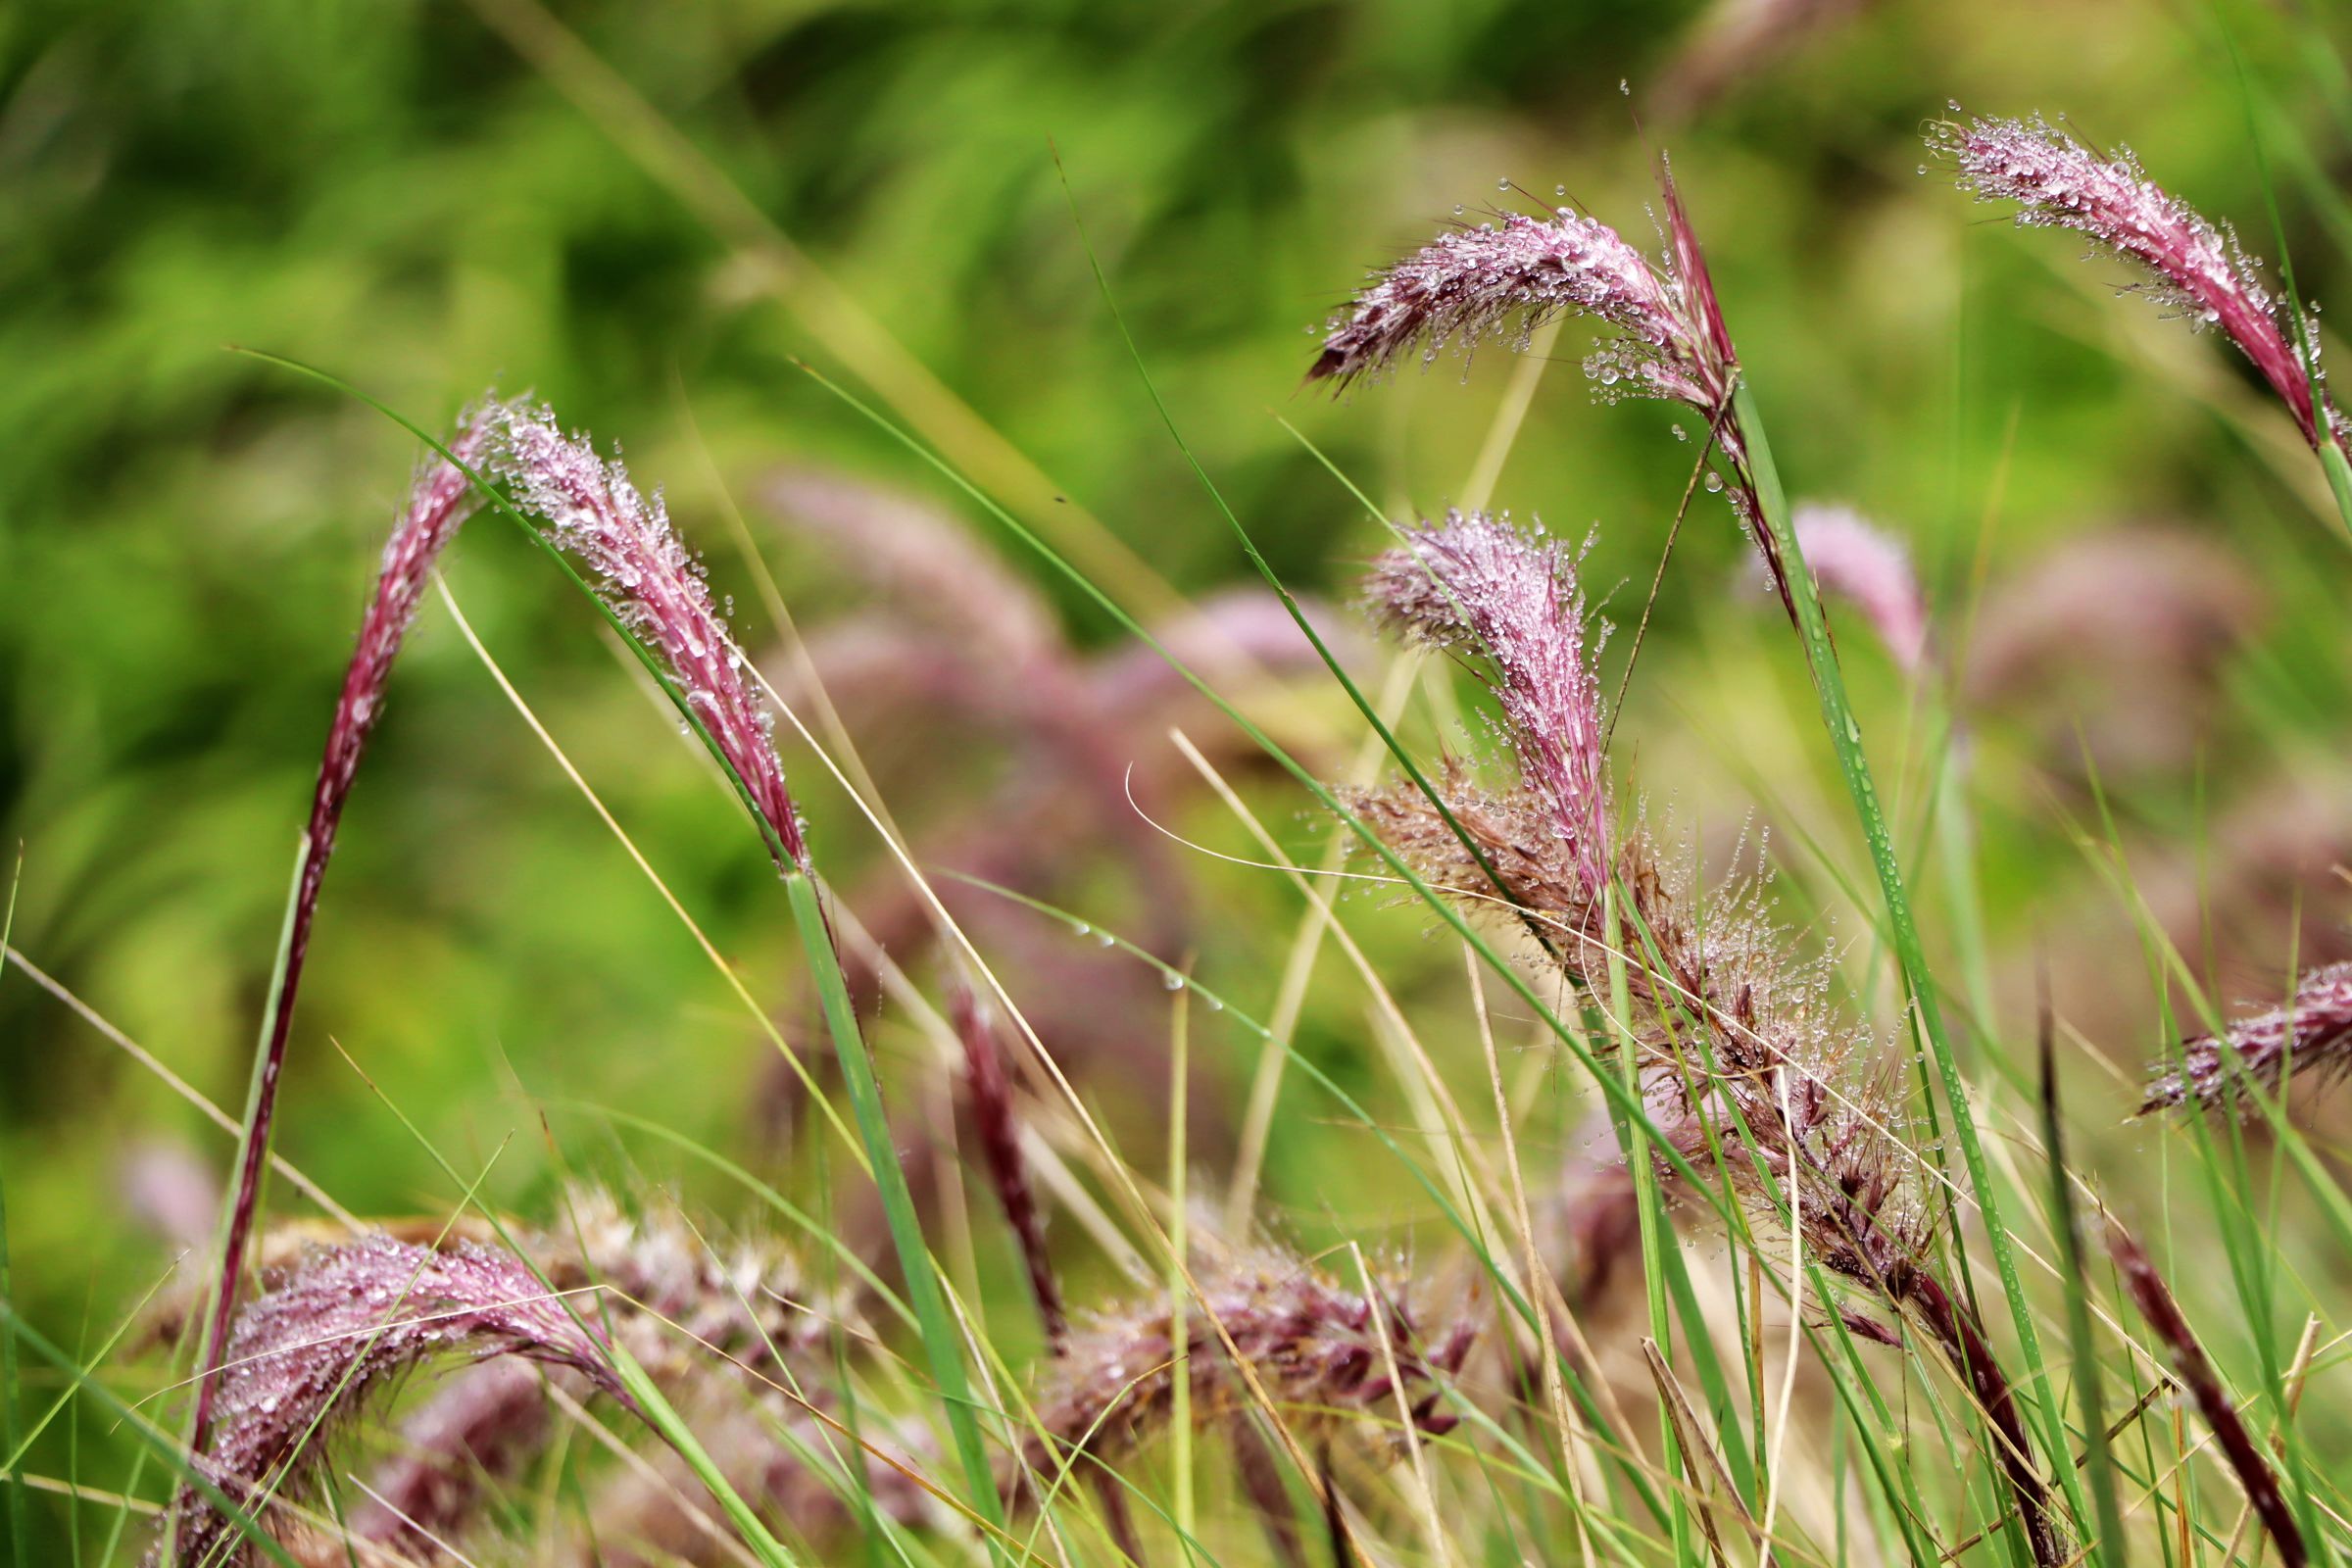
[(1742, 1073), (1743, 1065)]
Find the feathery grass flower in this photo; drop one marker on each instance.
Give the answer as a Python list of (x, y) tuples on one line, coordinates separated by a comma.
[(997, 1124), (1315, 1346), (2309, 1038), (1506, 277), (1503, 278), (589, 507), (1475, 584), (1744, 1066), (336, 1329), (2196, 271), (1861, 562)]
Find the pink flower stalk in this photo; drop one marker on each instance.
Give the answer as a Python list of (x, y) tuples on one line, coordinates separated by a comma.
[(340, 1327), (439, 503), (2196, 271), (1864, 565), (2310, 1037), (1737, 41), (588, 507), (1477, 583)]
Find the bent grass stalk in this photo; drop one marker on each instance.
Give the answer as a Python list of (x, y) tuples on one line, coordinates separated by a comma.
[(941, 1341)]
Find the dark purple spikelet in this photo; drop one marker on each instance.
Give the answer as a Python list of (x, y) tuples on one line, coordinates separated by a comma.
[(2309, 1038), (1314, 1346), (2195, 1368), (2196, 271), (997, 1124), (1475, 583), (438, 505), (589, 507), (340, 1327), (1501, 280)]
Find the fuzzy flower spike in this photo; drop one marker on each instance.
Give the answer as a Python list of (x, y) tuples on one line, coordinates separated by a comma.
[(589, 507), (1502, 279), (2195, 270), (340, 1326), (2310, 1037)]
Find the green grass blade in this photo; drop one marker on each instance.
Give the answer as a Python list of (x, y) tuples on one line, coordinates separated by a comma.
[(2098, 1462), (942, 1342), (14, 1479), (153, 1439), (1845, 739)]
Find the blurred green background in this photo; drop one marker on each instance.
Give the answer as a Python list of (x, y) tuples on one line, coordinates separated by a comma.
[(648, 214)]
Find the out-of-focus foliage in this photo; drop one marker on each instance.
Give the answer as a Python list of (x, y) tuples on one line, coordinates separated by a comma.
[(436, 196)]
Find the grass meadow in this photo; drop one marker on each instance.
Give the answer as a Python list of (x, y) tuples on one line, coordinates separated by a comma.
[(1335, 784)]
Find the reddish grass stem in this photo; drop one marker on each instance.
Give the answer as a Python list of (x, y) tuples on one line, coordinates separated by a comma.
[(999, 1127), (438, 503), (2197, 1374)]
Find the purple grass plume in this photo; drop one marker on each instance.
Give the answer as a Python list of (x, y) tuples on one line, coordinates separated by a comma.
[(438, 505), (1744, 1066), (1315, 1346), (339, 1328), (1475, 584), (1741, 42), (2196, 1372), (1503, 278), (2309, 1037), (2196, 271), (589, 508), (1860, 563)]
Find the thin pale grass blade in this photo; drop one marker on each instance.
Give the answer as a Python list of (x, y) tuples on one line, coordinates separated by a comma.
[(833, 317)]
